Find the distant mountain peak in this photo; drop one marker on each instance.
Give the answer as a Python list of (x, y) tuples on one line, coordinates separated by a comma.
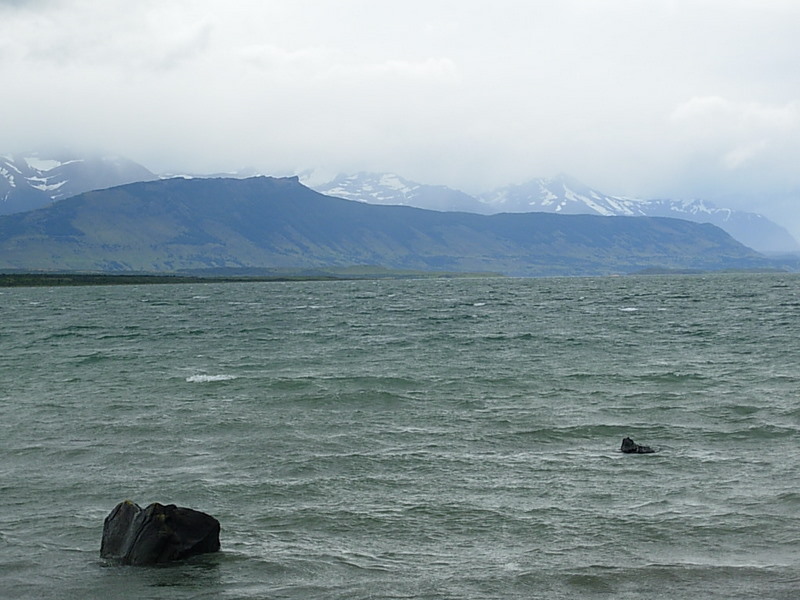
[(377, 188), (561, 194), (567, 195), (392, 189), (35, 179)]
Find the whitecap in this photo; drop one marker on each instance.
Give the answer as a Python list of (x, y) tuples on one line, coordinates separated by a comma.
[(207, 378)]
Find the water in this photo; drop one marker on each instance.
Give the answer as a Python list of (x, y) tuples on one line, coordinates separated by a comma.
[(409, 439)]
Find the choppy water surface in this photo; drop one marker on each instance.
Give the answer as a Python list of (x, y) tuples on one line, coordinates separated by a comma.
[(409, 439)]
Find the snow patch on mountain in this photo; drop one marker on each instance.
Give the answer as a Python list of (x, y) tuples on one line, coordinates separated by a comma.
[(391, 189), (374, 188), (41, 183), (42, 164), (8, 176)]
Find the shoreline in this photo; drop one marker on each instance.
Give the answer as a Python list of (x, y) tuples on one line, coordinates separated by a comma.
[(86, 279)]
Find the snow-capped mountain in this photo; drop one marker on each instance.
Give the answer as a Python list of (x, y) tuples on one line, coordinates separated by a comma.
[(387, 188), (34, 180), (561, 194)]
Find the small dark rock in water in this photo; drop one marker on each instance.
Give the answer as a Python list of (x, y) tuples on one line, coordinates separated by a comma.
[(157, 534), (631, 447)]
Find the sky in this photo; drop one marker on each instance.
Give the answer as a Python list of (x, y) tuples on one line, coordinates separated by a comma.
[(645, 98)]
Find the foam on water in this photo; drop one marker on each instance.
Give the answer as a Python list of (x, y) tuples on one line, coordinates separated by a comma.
[(203, 378)]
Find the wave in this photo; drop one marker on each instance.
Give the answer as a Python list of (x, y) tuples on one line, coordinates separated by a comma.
[(209, 378)]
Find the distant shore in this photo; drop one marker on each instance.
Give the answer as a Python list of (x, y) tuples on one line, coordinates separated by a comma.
[(70, 279), (82, 279)]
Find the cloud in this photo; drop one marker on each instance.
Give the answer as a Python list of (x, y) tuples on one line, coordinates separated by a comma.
[(332, 67), (433, 69), (665, 97), (743, 154), (85, 36), (714, 113), (9, 4), (736, 134), (746, 144), (272, 59)]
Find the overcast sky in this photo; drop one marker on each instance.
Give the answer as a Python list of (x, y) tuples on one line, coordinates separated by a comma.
[(650, 98)]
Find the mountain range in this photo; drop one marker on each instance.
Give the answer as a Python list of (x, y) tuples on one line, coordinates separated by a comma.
[(178, 225), (562, 195), (137, 228), (35, 179)]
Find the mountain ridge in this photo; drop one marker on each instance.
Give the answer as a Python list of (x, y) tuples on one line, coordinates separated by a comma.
[(36, 179), (180, 224), (566, 195)]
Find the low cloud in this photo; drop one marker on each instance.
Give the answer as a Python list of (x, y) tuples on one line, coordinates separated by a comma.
[(759, 142), (713, 114), (669, 97)]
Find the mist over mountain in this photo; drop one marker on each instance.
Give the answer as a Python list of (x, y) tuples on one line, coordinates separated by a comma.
[(32, 180), (265, 223)]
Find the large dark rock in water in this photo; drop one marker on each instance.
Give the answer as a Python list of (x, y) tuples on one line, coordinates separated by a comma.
[(631, 447), (157, 534)]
